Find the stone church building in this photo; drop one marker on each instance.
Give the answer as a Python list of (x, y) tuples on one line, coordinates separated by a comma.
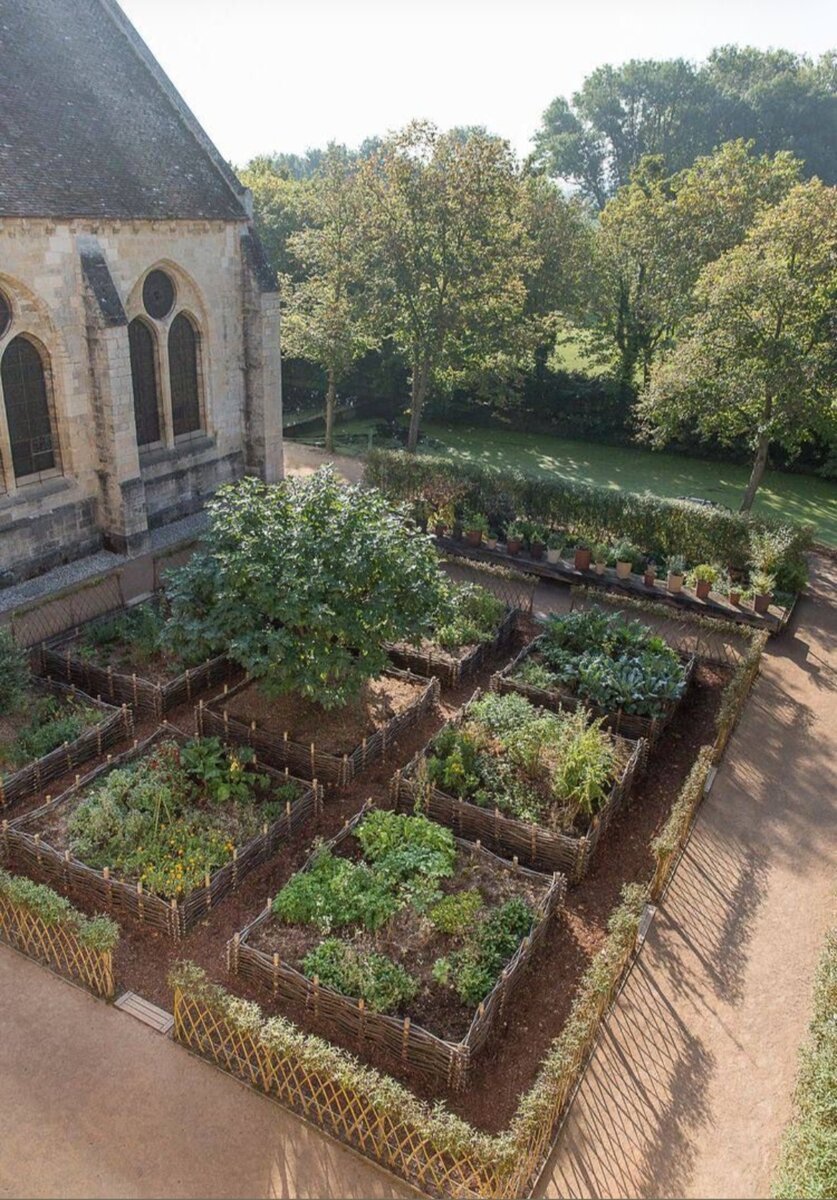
[(139, 323)]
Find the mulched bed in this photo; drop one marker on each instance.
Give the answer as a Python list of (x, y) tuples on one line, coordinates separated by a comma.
[(336, 730), (510, 1061)]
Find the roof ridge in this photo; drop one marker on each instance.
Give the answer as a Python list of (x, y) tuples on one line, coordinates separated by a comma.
[(181, 108)]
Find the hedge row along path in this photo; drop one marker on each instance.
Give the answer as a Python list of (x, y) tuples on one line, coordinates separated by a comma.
[(689, 1091)]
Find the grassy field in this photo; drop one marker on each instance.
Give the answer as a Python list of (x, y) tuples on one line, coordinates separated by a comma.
[(801, 497)]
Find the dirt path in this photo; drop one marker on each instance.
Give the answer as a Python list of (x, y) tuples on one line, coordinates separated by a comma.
[(690, 1088)]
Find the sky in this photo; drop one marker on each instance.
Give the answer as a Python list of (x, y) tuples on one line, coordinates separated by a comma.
[(283, 75)]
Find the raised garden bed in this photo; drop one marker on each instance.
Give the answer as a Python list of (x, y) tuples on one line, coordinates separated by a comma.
[(55, 730), (454, 663), (610, 656), (119, 657), (161, 888), (774, 620), (448, 948), (329, 745), (552, 842)]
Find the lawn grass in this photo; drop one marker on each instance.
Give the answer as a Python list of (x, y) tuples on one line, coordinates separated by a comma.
[(632, 468)]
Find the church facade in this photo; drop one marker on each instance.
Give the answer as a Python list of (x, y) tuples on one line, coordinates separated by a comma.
[(139, 323)]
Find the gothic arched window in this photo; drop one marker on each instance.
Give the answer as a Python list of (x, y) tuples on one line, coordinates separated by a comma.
[(34, 444), (184, 376), (144, 380)]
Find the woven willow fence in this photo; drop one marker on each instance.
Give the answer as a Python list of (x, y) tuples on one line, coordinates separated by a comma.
[(44, 926), (428, 1146), (401, 1042), (214, 720), (540, 848), (446, 665)]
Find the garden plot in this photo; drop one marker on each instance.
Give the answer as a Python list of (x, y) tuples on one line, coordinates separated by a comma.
[(477, 625), (331, 745), (533, 784), (162, 832), (129, 657), (46, 729), (401, 939), (618, 669)]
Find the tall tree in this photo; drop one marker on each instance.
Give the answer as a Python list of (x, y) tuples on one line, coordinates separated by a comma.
[(758, 359), (329, 317), (276, 209), (657, 233), (443, 218)]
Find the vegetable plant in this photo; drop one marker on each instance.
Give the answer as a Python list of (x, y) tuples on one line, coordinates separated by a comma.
[(14, 673), (366, 975), (470, 615)]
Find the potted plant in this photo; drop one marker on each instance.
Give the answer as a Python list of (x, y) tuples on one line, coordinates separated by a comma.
[(583, 555), (475, 526), (649, 575), (600, 556), (554, 546), (625, 556), (763, 586), (514, 537), (492, 539), (676, 567), (729, 588), (701, 579), (538, 542)]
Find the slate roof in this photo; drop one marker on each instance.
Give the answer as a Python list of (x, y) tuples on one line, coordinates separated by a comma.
[(91, 126)]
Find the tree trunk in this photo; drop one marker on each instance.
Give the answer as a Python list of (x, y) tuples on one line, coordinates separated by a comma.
[(331, 398), (757, 473), (417, 391)]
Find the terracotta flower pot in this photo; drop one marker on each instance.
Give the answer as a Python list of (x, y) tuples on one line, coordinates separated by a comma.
[(623, 569), (537, 549), (702, 589), (582, 559), (553, 556), (514, 545), (491, 543), (440, 529), (473, 537), (734, 598), (600, 568), (674, 584), (648, 578), (761, 602)]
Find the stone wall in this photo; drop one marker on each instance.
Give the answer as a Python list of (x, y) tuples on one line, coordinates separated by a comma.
[(109, 493)]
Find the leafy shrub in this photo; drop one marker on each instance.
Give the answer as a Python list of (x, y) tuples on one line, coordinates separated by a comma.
[(474, 969), (665, 527), (472, 615), (703, 573), (365, 975), (456, 913), (159, 821), (14, 673), (304, 583), (97, 933)]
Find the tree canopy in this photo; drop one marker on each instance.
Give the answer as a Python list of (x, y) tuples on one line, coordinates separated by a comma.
[(304, 582), (758, 357)]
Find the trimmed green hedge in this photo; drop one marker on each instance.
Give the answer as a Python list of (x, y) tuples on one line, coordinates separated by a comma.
[(700, 534), (808, 1164), (97, 933)]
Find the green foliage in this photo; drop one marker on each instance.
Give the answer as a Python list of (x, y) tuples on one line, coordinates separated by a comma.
[(472, 615), (53, 721), (166, 821), (304, 583), (366, 975), (335, 892), (609, 661), (456, 913), (537, 766), (703, 573), (668, 527), (808, 1163), (410, 853), (14, 672), (97, 933), (474, 969)]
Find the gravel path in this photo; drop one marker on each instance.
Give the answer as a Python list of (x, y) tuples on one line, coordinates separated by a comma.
[(689, 1091)]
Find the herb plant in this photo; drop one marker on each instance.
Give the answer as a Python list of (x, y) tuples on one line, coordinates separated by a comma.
[(14, 673)]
